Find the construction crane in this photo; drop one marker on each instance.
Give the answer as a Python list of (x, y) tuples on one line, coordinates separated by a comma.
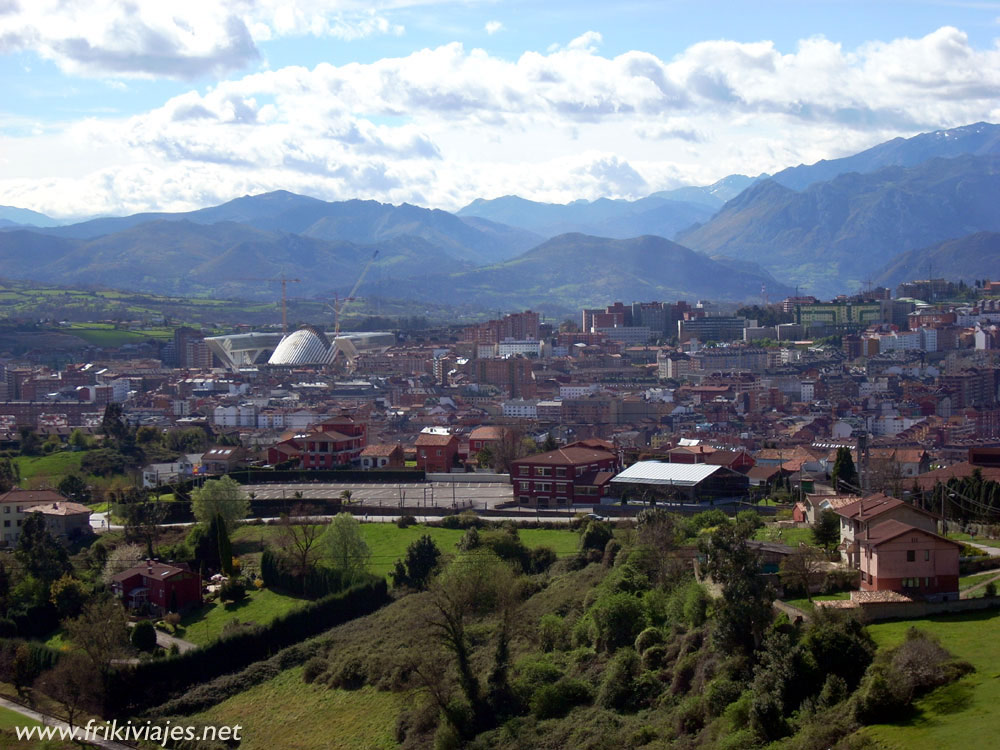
[(284, 281), (339, 304)]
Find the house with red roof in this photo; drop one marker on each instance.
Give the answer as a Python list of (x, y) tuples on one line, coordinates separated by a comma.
[(437, 449), (158, 586), (895, 556), (577, 473), (383, 456)]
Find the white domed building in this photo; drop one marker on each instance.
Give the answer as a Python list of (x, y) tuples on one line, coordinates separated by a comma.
[(306, 346)]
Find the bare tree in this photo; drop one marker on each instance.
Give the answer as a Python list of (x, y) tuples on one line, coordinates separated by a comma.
[(299, 539), (101, 632), (71, 683), (802, 568)]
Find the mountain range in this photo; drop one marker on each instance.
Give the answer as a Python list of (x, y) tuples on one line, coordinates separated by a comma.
[(825, 227)]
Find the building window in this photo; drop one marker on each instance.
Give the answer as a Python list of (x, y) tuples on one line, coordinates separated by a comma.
[(927, 555), (911, 555), (524, 500), (543, 486), (438, 452), (6, 509), (543, 471), (560, 471), (522, 470), (6, 524)]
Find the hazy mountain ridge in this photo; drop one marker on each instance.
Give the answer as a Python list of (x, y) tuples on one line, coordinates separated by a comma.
[(574, 270), (981, 138), (832, 235), (975, 256)]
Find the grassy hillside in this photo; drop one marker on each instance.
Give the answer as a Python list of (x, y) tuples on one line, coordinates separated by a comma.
[(960, 714), (39, 471), (287, 713), (261, 607)]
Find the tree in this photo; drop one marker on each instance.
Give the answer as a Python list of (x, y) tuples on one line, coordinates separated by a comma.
[(225, 547), (71, 684), (143, 636), (78, 441), (73, 488), (68, 595), (800, 568), (299, 540), (744, 612), (223, 497), (826, 529), (143, 519), (550, 443), (39, 553), (30, 444), (101, 633), (844, 471), (474, 584), (415, 571), (343, 545), (121, 558), (10, 475)]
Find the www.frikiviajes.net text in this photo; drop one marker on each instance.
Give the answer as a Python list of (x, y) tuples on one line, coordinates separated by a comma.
[(129, 732)]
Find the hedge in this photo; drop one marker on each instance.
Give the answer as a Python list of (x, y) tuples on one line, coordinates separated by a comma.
[(135, 688), (320, 581)]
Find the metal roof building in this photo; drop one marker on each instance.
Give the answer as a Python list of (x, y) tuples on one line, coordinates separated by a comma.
[(673, 481)]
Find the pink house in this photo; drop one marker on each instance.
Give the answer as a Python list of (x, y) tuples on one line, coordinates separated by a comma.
[(896, 556)]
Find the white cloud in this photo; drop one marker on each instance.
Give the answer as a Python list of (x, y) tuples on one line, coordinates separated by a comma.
[(492, 27), (149, 39), (443, 126)]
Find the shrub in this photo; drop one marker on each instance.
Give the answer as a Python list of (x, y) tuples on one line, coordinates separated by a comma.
[(618, 620), (654, 658), (719, 694), (143, 636), (618, 687), (540, 559), (596, 536), (313, 669), (233, 590), (173, 619), (648, 637), (404, 522), (556, 700), (690, 715), (990, 589), (552, 632), (350, 675)]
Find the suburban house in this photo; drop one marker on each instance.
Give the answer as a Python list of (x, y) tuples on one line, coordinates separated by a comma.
[(336, 441), (164, 588), (895, 556), (859, 520), (815, 504), (62, 516), (65, 519), (437, 449), (383, 456), (486, 436), (576, 473), (224, 459)]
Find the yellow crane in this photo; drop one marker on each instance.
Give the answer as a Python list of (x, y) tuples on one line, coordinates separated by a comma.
[(284, 281), (339, 304)]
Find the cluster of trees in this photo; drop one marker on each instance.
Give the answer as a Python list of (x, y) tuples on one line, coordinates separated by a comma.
[(513, 445)]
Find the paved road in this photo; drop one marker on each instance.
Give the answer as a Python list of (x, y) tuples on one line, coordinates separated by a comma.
[(991, 551), (54, 722), (165, 640)]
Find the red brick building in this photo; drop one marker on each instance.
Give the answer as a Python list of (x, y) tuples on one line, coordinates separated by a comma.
[(336, 441), (164, 588), (576, 473), (436, 451), (485, 436), (898, 557)]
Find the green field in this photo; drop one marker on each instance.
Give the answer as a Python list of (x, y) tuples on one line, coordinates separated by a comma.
[(963, 714), (958, 537), (10, 719), (48, 470), (806, 606), (388, 542), (287, 713), (793, 537), (261, 607), (105, 335)]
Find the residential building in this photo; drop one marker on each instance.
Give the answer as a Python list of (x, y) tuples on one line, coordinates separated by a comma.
[(383, 456), (576, 473), (158, 587), (896, 556), (437, 450)]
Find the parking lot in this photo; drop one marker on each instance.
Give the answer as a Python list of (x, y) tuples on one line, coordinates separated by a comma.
[(426, 494)]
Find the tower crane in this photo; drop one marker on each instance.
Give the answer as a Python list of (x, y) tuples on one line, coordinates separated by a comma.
[(339, 304), (284, 281)]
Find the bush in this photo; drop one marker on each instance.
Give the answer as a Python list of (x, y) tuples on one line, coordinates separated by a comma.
[(540, 559), (404, 522), (719, 694), (618, 687), (990, 589), (648, 637), (552, 632), (881, 697), (596, 536), (556, 700), (143, 636), (690, 715), (233, 590), (618, 620)]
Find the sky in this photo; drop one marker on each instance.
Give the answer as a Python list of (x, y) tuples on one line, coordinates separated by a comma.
[(110, 107)]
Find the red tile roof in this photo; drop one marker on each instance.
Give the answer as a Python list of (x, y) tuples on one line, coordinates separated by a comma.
[(568, 456)]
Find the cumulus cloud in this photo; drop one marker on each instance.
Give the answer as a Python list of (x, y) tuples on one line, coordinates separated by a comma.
[(492, 27), (102, 37), (445, 125)]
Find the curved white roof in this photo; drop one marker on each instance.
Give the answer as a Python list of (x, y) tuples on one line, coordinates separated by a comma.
[(306, 346)]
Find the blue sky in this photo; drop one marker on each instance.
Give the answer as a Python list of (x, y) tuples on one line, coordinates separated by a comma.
[(110, 107)]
